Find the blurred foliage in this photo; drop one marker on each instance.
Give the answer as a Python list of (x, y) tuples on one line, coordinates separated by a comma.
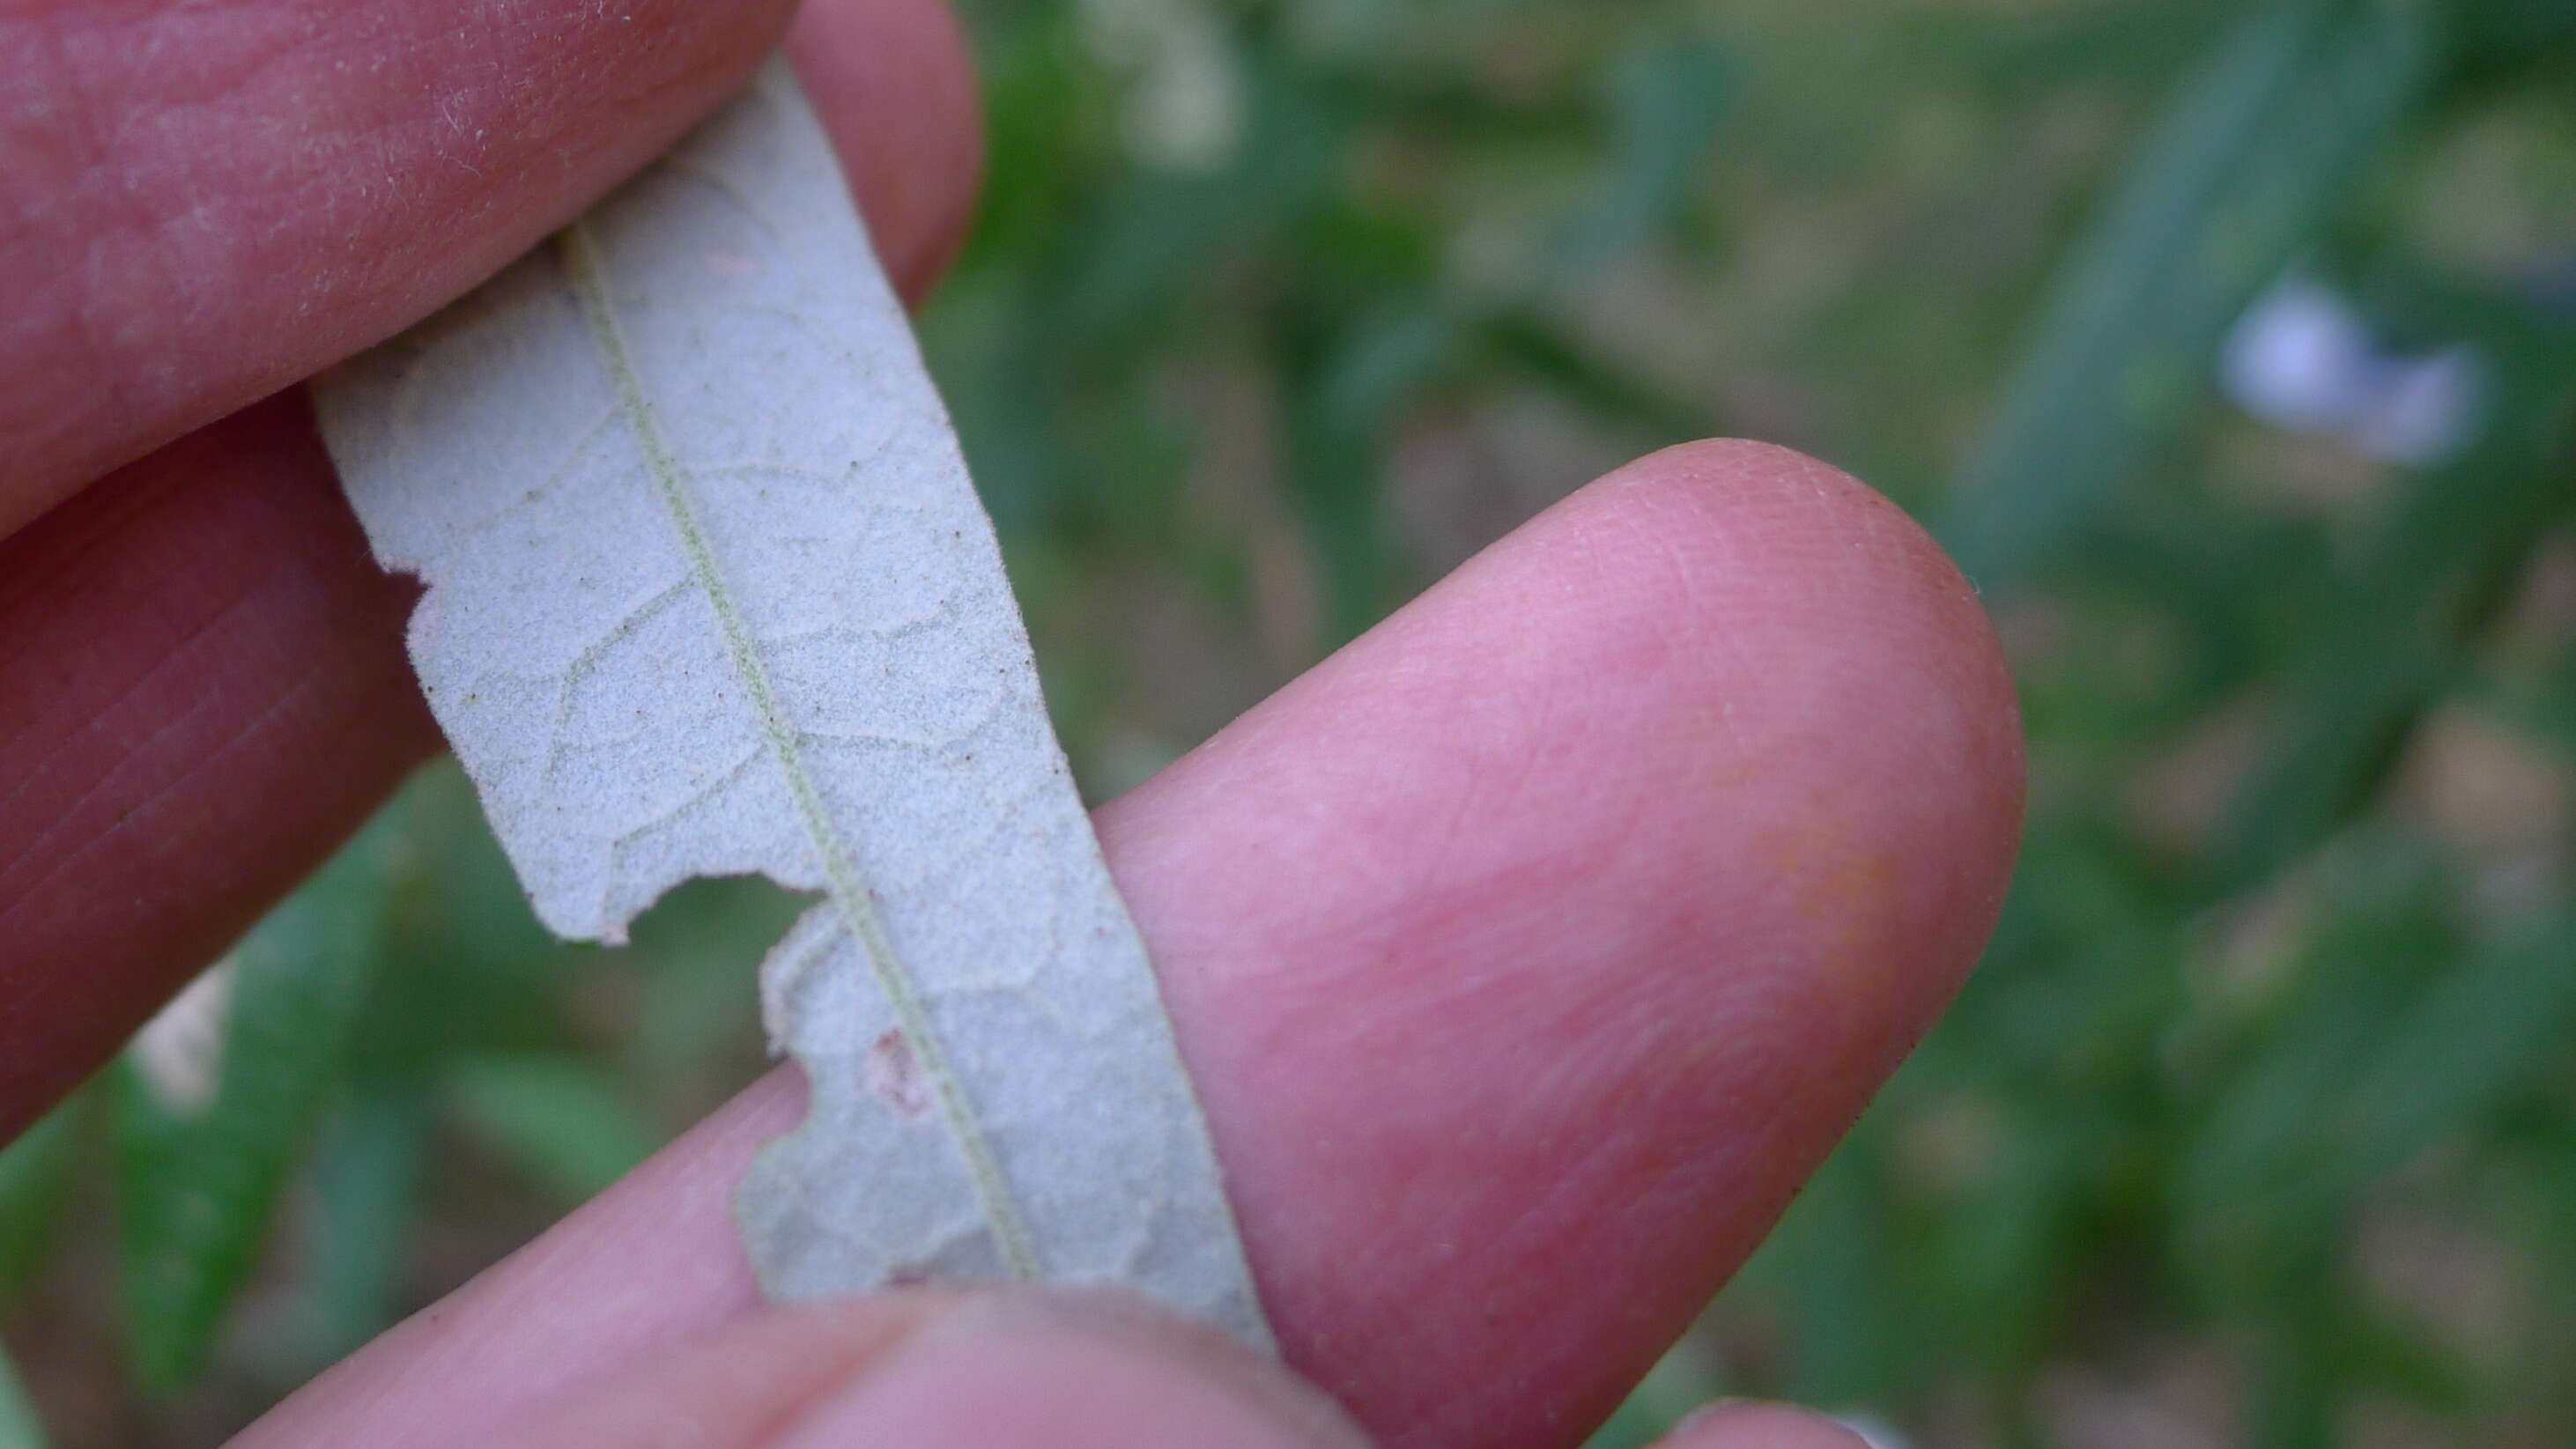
[(34, 1172), (2258, 1125), (2243, 172), (215, 1108), (19, 1426)]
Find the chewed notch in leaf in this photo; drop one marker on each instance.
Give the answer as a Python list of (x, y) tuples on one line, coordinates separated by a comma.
[(710, 593)]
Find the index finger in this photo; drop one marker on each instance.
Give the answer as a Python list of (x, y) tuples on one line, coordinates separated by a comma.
[(204, 204), (1528, 955)]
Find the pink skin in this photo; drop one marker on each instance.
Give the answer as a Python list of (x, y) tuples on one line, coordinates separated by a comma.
[(202, 688), (208, 203), (214, 201), (1568, 936), (1529, 953)]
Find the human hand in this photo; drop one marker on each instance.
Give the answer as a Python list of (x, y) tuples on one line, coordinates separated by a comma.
[(1528, 954)]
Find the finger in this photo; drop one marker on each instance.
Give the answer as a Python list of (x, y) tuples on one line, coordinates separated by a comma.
[(202, 685), (894, 83), (1527, 955), (202, 692), (1762, 1426), (206, 204), (920, 1369), (213, 202)]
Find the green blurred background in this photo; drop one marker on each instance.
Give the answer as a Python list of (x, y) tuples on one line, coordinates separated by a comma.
[(2258, 1126)]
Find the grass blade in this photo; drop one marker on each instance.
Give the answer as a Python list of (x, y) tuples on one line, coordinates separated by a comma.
[(2384, 651), (198, 1182), (34, 1172), (2248, 168), (367, 1174)]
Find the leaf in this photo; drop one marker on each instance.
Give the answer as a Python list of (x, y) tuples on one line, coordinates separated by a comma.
[(1836, 1261), (2263, 1181), (1667, 95), (2252, 163), (562, 1121), (205, 1143), (367, 1173), (2395, 635), (35, 1171), (709, 593), (1341, 405), (2495, 1023), (468, 970), (2513, 33)]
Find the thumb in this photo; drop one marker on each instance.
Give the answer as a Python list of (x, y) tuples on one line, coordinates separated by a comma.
[(950, 1371)]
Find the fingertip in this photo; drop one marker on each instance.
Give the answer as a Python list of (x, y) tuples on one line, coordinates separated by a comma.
[(1896, 726), (894, 81), (1611, 878)]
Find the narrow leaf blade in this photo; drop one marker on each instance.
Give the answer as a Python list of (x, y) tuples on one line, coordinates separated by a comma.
[(199, 1181), (35, 1173), (710, 593), (2250, 165)]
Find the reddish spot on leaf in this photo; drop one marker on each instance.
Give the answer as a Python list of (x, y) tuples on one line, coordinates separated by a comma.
[(894, 1075)]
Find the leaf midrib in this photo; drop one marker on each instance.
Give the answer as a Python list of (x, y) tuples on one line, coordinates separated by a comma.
[(586, 272)]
